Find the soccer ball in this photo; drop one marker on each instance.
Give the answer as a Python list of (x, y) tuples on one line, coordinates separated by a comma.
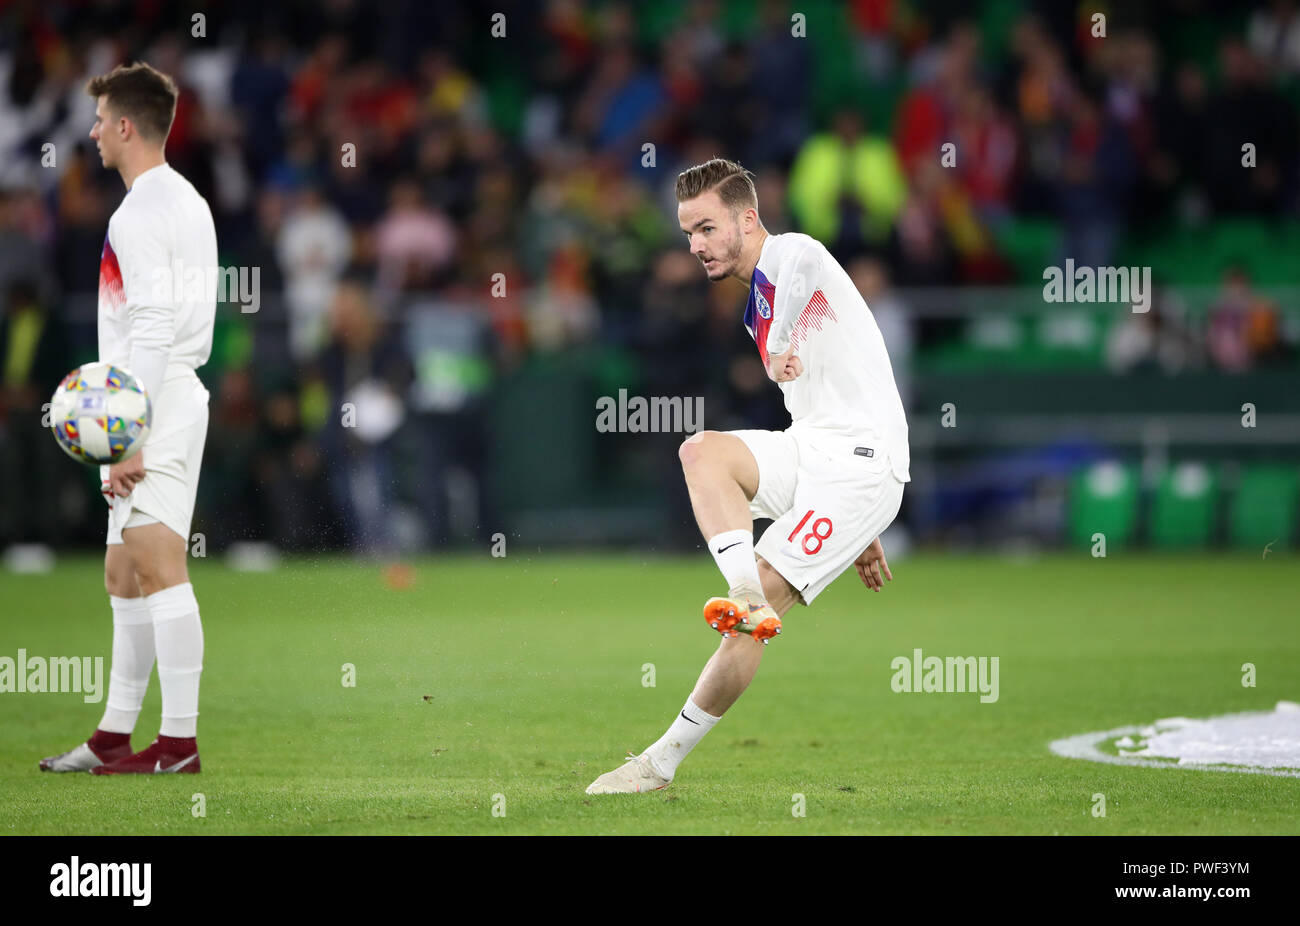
[(100, 414)]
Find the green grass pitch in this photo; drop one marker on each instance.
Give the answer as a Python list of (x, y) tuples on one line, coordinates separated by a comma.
[(522, 677)]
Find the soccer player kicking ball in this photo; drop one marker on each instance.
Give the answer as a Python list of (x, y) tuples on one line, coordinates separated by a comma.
[(831, 482), (157, 301)]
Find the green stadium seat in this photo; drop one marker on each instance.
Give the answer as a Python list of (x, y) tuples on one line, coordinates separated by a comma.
[(1103, 499), (1263, 509), (1242, 241), (657, 21), (1183, 512), (1030, 245), (997, 21)]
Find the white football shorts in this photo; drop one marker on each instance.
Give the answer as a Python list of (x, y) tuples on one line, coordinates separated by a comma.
[(173, 454), (829, 496)]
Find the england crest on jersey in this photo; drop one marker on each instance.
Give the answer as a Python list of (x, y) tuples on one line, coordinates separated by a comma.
[(760, 301)]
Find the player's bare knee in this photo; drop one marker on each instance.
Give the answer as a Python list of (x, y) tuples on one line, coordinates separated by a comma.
[(119, 578), (695, 450), (119, 585), (154, 577)]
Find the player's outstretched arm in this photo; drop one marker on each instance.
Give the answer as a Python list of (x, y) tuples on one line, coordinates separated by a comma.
[(872, 567)]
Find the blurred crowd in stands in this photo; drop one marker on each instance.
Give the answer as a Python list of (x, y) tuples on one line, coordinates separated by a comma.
[(433, 206)]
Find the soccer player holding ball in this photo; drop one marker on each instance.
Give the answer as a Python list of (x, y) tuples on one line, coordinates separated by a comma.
[(157, 302), (832, 482)]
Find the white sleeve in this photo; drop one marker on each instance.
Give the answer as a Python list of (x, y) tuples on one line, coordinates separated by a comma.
[(798, 276), (151, 293)]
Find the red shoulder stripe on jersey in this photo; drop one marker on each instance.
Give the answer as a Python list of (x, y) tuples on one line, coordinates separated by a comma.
[(110, 278), (814, 314)]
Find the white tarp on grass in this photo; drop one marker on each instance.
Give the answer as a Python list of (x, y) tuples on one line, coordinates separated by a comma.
[(1266, 742)]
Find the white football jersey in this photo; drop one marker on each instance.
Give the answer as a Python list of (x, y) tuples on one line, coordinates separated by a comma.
[(158, 277), (799, 295)]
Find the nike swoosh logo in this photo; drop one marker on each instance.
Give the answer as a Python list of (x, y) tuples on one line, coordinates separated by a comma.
[(159, 770), (730, 545), (684, 717)]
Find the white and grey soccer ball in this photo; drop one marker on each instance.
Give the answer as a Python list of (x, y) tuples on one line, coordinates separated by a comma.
[(100, 414)]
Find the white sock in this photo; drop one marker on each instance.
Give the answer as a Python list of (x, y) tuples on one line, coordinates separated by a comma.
[(178, 637), (687, 730), (733, 551), (128, 676)]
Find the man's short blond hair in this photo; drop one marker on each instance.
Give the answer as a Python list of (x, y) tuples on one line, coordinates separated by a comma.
[(733, 184)]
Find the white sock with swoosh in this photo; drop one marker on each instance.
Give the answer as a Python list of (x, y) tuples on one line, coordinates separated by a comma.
[(733, 551), (685, 733)]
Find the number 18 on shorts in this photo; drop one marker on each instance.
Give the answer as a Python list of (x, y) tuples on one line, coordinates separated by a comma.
[(829, 495)]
